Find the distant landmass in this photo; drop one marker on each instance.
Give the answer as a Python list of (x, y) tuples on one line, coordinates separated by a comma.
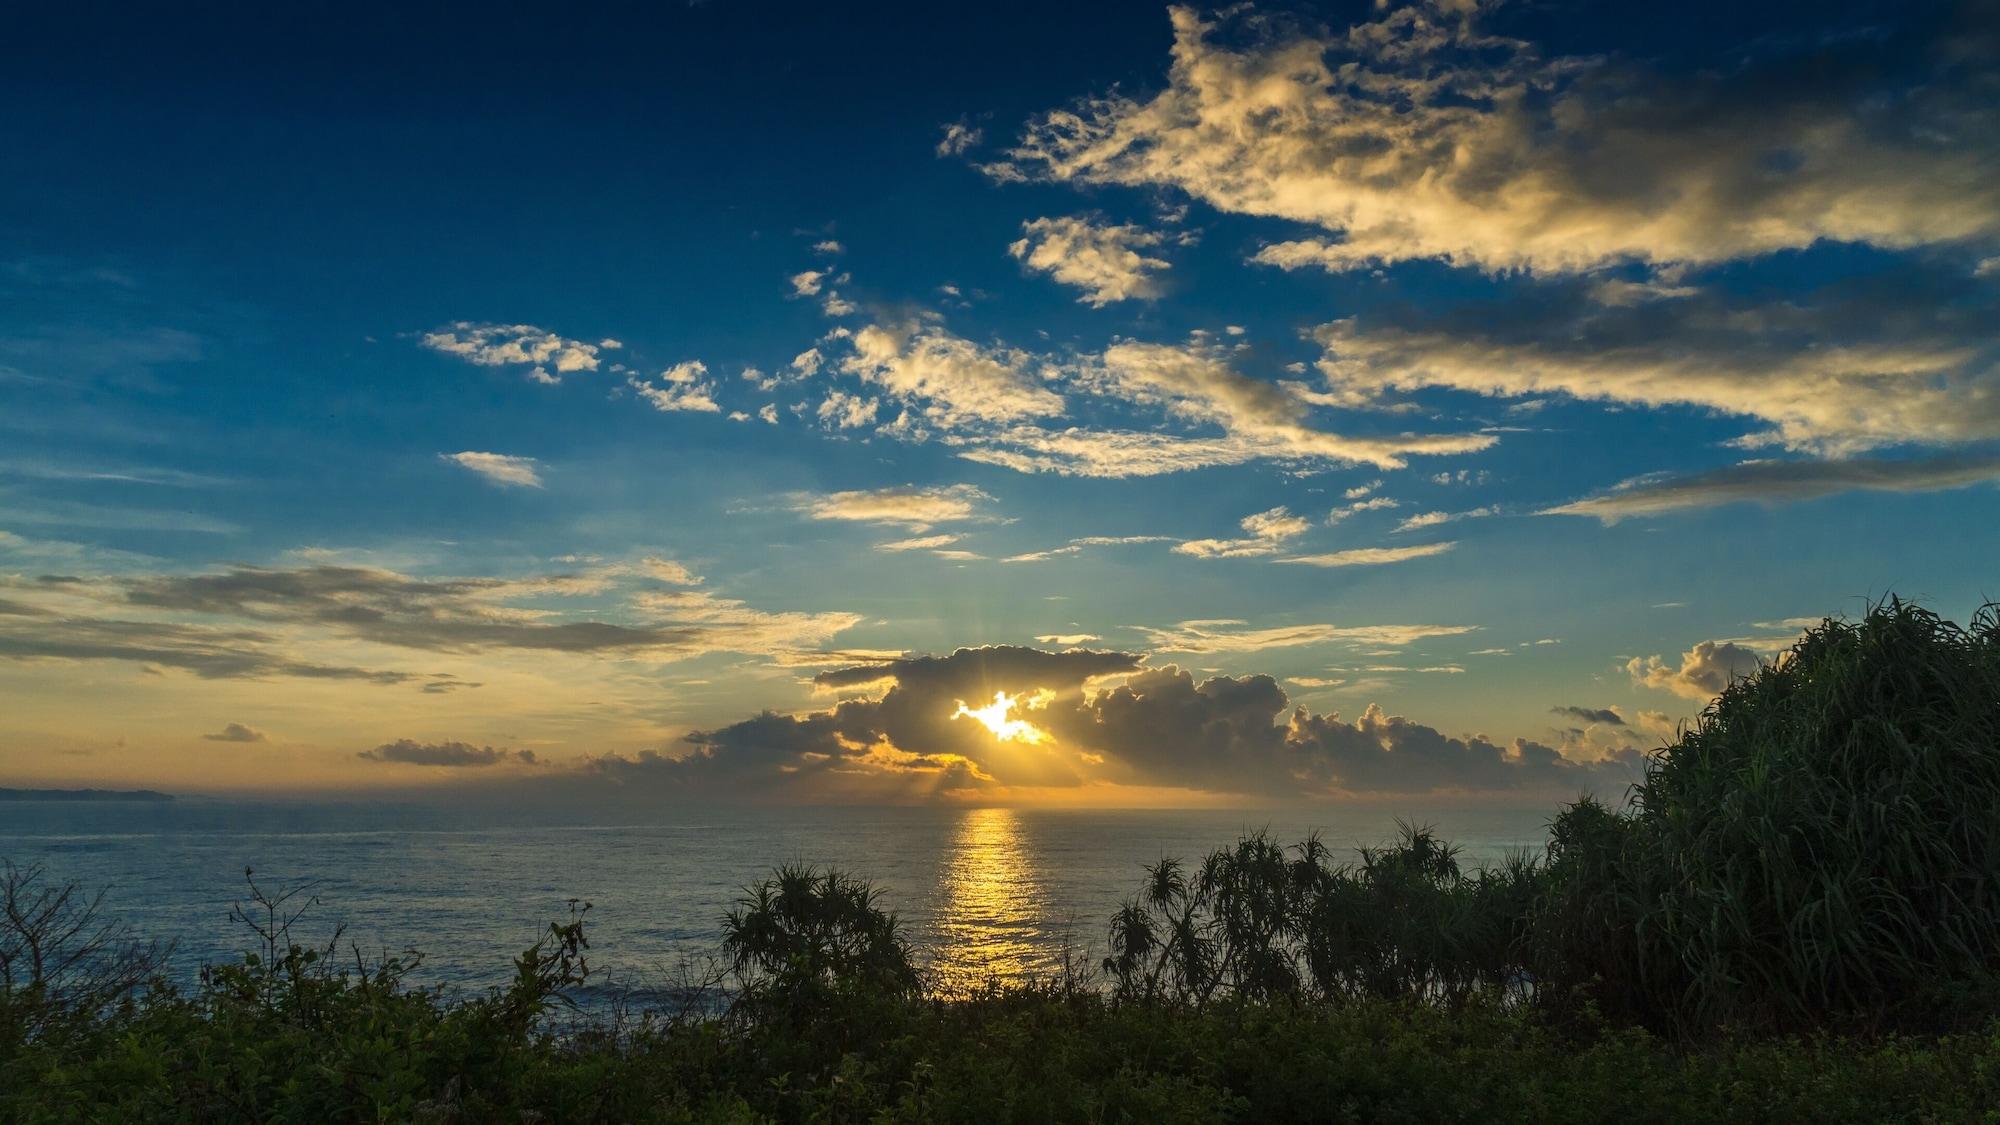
[(84, 795)]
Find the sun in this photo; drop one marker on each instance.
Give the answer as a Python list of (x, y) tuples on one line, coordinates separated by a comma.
[(994, 716)]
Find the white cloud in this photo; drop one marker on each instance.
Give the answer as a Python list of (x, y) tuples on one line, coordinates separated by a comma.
[(1105, 260), (952, 381), (843, 411), (684, 386), (498, 345), (1068, 640), (498, 467), (919, 543), (667, 570), (1267, 533), (1196, 383), (1434, 519), (1420, 137), (916, 508), (1370, 556), (1704, 670), (808, 283), (1077, 546), (958, 136), (1230, 636)]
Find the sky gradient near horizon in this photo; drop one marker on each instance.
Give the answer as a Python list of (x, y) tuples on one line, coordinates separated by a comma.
[(1077, 404)]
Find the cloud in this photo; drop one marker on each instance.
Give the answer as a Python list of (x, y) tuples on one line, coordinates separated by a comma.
[(1434, 519), (808, 283), (1779, 482), (1234, 735), (1103, 259), (1077, 546), (1267, 533), (447, 754), (1605, 715), (210, 652), (682, 387), (499, 468), (910, 506), (951, 381), (1370, 556), (1704, 670), (1903, 355), (958, 137), (1229, 636), (843, 411), (919, 543), (1077, 718), (279, 610), (523, 345), (667, 570), (1067, 640), (1102, 453), (1420, 136), (237, 732), (1196, 383)]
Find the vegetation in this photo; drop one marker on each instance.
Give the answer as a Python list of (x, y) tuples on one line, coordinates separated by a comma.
[(1793, 919)]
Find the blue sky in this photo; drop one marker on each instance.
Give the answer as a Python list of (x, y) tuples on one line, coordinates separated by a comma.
[(1474, 361)]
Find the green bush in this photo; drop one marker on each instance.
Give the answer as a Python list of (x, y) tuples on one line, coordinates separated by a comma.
[(1821, 849)]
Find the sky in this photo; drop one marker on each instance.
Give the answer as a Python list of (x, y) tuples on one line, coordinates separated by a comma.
[(1071, 404)]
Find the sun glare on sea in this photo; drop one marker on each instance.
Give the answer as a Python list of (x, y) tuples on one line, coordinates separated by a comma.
[(992, 902), (995, 717)]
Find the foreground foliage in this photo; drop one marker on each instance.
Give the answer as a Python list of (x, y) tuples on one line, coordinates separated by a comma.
[(288, 1043), (1795, 919)]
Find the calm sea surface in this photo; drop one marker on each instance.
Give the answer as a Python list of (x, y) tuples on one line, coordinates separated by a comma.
[(983, 891)]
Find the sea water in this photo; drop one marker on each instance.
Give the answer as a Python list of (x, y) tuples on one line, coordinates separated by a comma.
[(983, 892)]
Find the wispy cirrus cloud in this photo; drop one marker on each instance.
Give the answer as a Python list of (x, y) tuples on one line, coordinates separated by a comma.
[(1370, 556), (907, 505), (1265, 534), (1228, 635), (1779, 482), (498, 468)]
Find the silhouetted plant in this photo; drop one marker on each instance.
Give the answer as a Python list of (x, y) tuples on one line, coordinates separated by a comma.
[(61, 954), (1824, 845), (805, 927), (1261, 922)]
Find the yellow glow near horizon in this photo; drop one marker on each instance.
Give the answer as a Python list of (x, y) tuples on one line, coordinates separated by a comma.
[(994, 716)]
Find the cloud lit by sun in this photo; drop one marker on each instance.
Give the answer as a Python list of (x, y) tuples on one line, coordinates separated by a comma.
[(995, 717)]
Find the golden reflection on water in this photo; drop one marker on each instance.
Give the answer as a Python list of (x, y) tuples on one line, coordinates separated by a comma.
[(991, 908)]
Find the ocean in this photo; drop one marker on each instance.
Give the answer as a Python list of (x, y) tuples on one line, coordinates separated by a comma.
[(984, 893)]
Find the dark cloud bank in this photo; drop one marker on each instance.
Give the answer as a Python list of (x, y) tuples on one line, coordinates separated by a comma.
[(1100, 717)]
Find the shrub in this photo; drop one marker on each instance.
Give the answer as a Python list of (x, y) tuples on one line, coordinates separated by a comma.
[(1259, 922), (1820, 850), (804, 928)]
